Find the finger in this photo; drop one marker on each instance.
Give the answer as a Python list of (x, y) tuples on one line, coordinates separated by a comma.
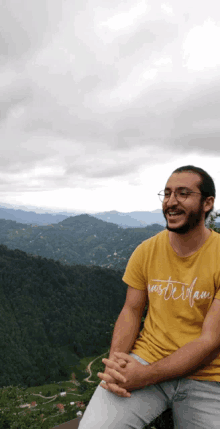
[(107, 378), (104, 385), (111, 364), (115, 371), (111, 387), (112, 373), (110, 379), (121, 355), (122, 363), (119, 391)]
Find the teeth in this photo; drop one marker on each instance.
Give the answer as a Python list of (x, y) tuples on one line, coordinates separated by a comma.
[(174, 213)]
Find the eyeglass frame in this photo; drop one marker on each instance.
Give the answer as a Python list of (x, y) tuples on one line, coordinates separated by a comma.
[(186, 196)]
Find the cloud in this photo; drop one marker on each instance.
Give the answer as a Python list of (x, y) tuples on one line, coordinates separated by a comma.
[(196, 120), (26, 26), (127, 18), (96, 91)]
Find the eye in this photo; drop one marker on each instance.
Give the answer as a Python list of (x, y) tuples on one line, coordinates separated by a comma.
[(184, 192), (167, 193)]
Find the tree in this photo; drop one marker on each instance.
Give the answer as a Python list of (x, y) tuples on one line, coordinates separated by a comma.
[(210, 221)]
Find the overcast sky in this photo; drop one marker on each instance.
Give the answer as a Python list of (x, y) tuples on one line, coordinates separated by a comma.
[(102, 100)]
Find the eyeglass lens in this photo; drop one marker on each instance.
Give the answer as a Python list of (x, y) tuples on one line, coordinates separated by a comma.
[(178, 195)]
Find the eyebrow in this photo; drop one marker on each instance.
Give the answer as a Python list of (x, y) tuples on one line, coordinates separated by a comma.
[(179, 188)]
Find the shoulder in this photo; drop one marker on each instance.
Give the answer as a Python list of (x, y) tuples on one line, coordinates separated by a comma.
[(135, 273), (215, 234), (159, 238), (149, 245), (212, 248), (214, 238)]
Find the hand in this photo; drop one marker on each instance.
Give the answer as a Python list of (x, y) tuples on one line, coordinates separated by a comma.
[(112, 381), (130, 377)]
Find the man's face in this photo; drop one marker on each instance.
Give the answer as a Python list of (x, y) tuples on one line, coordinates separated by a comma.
[(182, 217)]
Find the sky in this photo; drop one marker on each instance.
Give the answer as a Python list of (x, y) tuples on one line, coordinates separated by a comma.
[(101, 101)]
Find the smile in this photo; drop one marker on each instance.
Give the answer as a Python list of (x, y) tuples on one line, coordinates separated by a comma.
[(174, 214)]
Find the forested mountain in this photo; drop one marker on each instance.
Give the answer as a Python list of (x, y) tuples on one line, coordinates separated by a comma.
[(51, 315), (80, 239)]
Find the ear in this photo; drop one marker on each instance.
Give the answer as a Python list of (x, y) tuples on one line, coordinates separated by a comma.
[(208, 203)]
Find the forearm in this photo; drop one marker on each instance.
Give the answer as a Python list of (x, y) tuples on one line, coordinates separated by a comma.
[(126, 331), (183, 362)]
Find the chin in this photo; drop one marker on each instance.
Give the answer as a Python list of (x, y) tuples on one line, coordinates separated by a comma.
[(181, 229), (186, 227)]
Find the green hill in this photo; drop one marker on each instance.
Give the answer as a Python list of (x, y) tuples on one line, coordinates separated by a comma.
[(77, 240), (52, 404), (51, 315)]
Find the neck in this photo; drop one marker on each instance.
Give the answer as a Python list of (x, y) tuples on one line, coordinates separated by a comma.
[(189, 243)]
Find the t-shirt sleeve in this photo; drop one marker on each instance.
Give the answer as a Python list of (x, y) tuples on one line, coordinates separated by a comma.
[(217, 276), (216, 257), (134, 273), (217, 295)]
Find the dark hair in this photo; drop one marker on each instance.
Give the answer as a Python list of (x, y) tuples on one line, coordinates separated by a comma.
[(206, 185)]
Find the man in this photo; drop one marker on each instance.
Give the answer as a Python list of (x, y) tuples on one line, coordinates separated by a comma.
[(175, 361)]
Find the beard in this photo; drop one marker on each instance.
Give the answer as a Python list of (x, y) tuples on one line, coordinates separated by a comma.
[(193, 219)]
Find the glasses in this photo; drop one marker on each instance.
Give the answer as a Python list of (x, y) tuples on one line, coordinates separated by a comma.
[(180, 194)]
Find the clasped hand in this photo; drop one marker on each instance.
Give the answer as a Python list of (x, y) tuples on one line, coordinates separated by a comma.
[(122, 374)]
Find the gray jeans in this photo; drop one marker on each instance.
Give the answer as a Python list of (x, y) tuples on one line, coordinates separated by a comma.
[(195, 405)]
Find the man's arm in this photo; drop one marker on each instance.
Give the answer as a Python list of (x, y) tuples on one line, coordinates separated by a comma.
[(197, 353), (125, 333), (128, 323), (183, 362)]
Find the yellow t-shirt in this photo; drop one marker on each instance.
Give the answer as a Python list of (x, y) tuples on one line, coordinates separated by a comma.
[(180, 293)]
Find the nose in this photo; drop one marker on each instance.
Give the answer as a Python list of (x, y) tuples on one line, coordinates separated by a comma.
[(172, 200)]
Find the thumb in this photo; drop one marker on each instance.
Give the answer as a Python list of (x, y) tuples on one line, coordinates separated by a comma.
[(121, 362)]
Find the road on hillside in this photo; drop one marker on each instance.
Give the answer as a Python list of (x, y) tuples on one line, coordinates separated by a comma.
[(88, 368)]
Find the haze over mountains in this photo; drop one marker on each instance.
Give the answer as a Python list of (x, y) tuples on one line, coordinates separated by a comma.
[(135, 219)]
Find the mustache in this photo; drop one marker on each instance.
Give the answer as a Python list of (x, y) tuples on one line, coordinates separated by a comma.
[(174, 210)]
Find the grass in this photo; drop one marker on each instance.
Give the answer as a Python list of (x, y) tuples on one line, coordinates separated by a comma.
[(46, 414)]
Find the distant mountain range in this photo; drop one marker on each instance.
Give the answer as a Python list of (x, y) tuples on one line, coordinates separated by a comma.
[(81, 239), (134, 219)]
